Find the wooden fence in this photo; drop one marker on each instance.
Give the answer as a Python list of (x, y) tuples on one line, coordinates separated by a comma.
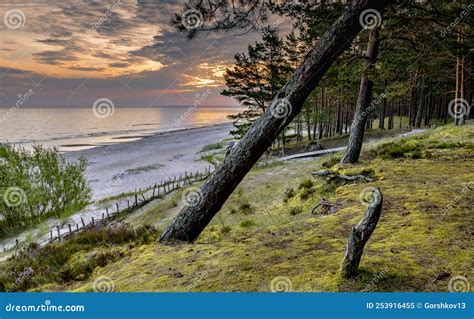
[(115, 212)]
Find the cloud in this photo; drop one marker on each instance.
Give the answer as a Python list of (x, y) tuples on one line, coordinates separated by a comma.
[(78, 50)]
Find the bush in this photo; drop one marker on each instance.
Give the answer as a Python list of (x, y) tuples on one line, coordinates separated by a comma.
[(211, 147), (37, 185), (296, 210), (307, 183), (306, 193), (288, 194), (395, 149), (247, 223), (246, 208), (73, 259)]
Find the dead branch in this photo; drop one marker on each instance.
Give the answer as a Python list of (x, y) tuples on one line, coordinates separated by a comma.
[(326, 208), (331, 175), (360, 234)]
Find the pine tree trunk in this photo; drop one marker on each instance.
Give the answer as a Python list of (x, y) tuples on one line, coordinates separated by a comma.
[(192, 220), (419, 109), (363, 102)]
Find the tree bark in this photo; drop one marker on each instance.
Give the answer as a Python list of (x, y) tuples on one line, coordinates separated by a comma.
[(360, 234), (421, 100), (192, 220), (363, 102)]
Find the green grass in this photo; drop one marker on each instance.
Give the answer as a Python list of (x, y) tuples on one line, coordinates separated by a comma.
[(212, 147), (72, 260), (425, 228)]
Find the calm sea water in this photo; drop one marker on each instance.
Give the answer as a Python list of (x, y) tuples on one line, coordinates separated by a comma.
[(72, 129)]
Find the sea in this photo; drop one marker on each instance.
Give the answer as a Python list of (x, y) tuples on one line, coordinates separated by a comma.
[(73, 129)]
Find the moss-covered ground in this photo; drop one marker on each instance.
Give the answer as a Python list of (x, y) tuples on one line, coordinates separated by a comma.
[(266, 229)]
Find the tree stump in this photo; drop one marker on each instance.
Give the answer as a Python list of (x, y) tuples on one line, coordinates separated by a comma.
[(360, 234)]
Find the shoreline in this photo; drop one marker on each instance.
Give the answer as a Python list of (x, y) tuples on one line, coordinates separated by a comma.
[(135, 137), (128, 165)]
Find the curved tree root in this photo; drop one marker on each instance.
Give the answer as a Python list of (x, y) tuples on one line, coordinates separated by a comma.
[(359, 236), (326, 208)]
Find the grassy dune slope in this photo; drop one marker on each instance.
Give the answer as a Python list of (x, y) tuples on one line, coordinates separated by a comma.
[(266, 229)]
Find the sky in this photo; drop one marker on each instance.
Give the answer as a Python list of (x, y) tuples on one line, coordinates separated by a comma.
[(57, 53)]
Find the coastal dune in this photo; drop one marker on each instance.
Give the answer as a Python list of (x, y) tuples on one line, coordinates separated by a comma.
[(126, 166)]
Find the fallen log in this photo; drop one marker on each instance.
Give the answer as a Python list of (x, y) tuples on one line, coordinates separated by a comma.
[(360, 234), (331, 175)]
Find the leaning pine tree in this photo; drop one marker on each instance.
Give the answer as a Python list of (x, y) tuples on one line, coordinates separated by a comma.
[(287, 103)]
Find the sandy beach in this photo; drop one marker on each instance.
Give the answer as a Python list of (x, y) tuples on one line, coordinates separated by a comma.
[(129, 165), (126, 166)]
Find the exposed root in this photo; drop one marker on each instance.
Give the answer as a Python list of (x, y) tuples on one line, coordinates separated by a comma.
[(331, 175), (326, 208)]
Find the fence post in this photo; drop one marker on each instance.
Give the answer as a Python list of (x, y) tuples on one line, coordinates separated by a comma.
[(83, 224), (77, 228), (93, 221), (59, 232), (70, 229), (117, 204), (50, 235)]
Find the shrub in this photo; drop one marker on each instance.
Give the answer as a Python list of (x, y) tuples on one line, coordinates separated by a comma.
[(247, 223), (39, 184), (296, 210), (288, 194), (211, 147), (75, 258), (246, 208), (225, 230), (306, 193), (331, 161), (307, 183)]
